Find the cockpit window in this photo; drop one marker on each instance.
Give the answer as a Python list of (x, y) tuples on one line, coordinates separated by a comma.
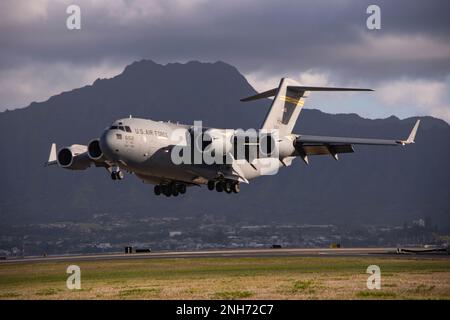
[(122, 128)]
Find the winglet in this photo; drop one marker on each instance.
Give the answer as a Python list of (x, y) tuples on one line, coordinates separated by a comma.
[(52, 156), (412, 135)]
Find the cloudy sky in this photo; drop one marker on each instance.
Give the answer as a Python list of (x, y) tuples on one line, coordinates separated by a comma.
[(319, 42)]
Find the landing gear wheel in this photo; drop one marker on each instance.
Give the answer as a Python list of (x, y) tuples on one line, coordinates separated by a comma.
[(166, 190), (236, 188), (157, 190), (117, 175), (173, 190), (228, 187), (182, 188), (211, 185), (219, 187)]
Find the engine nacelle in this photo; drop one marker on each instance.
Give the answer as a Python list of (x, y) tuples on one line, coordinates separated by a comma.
[(286, 147), (95, 153), (74, 157)]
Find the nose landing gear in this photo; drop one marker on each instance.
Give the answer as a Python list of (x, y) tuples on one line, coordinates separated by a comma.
[(117, 175)]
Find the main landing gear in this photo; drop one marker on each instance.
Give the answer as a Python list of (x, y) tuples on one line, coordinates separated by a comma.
[(224, 185), (172, 189)]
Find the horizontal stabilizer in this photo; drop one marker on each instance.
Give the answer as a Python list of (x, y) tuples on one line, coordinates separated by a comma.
[(262, 95), (273, 92), (304, 88)]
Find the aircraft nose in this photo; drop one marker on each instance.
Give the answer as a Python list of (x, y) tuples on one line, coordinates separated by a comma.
[(108, 145)]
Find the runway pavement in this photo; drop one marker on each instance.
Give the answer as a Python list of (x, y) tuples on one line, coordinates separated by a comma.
[(232, 253)]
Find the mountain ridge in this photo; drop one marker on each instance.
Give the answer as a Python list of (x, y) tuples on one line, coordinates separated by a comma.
[(137, 65), (388, 185)]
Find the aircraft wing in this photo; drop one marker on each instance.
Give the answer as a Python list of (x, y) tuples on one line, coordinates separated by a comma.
[(318, 145)]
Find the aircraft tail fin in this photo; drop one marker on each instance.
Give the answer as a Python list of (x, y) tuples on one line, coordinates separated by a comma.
[(288, 102)]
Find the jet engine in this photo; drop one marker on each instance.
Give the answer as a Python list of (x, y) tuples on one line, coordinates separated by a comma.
[(74, 157), (286, 147), (94, 150)]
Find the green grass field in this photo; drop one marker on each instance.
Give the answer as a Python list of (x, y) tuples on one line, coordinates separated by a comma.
[(230, 278)]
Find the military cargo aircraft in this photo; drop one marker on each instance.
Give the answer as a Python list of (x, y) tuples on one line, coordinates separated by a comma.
[(173, 156)]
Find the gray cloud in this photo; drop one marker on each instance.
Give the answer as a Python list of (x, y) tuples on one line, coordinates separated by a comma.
[(263, 38)]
